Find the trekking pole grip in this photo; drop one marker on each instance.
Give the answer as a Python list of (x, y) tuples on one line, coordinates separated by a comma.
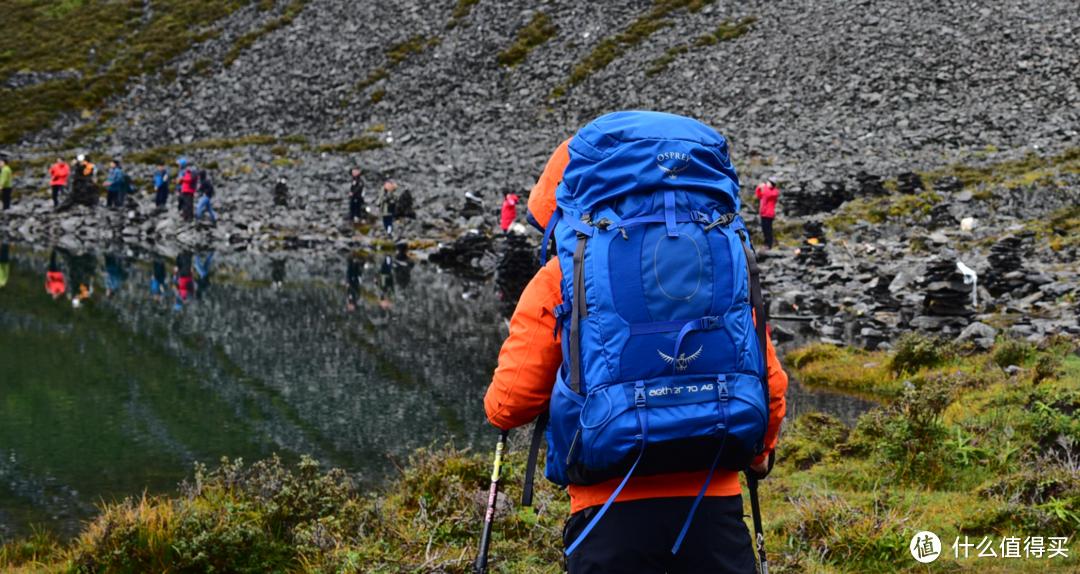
[(493, 496)]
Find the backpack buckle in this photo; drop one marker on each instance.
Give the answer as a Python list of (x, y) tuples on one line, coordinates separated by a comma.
[(711, 323), (721, 386), (639, 394)]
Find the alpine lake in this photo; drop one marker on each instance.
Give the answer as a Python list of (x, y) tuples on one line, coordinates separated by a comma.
[(117, 386)]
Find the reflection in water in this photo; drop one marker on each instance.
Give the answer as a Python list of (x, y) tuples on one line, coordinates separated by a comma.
[(5, 264), (122, 394)]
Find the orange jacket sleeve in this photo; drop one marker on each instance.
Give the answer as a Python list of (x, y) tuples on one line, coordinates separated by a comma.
[(530, 356), (778, 383)]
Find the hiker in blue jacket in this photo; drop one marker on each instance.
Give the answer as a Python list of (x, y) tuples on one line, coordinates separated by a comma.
[(206, 188), (115, 185), (162, 177)]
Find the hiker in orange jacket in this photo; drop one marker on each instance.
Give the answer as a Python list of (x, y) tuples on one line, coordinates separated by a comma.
[(521, 390), (58, 174)]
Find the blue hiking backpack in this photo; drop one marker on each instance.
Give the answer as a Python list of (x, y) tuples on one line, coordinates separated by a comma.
[(663, 368)]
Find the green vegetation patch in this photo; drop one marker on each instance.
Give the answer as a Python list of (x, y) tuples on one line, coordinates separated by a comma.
[(362, 143), (245, 41), (166, 154), (462, 9), (729, 30), (844, 368), (612, 48), (1027, 171), (396, 54), (59, 35), (536, 32)]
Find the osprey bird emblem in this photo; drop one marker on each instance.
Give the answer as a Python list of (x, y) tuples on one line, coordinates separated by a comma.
[(683, 361), (672, 173)]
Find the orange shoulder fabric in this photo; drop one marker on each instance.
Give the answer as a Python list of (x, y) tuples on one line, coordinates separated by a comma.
[(530, 356), (542, 196)]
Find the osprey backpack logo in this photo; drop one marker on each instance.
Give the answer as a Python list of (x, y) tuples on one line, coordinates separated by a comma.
[(683, 361), (677, 163)]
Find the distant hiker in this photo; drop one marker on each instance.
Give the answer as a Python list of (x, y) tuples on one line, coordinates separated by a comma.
[(115, 186), (5, 265), (281, 193), (83, 188), (509, 211), (650, 406), (157, 279), (387, 205), (767, 193), (58, 177), (6, 183), (277, 272), (356, 196), (188, 183), (206, 188), (54, 278), (162, 177)]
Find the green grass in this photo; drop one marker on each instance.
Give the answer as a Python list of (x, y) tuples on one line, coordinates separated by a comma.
[(167, 154), (461, 9), (729, 30), (1027, 171), (536, 32), (362, 143), (245, 41), (51, 35), (613, 47), (396, 54)]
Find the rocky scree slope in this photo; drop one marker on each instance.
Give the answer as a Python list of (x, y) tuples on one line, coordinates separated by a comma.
[(820, 89)]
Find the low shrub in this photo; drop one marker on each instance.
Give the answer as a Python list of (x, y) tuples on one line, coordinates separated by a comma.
[(915, 352)]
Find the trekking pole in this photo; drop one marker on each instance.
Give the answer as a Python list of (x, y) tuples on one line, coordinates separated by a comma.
[(489, 516), (755, 510)]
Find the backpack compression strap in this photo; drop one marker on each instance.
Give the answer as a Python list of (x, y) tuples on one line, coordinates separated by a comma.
[(534, 454), (759, 316)]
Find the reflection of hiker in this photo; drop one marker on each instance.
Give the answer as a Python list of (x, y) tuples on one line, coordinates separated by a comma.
[(356, 196), (277, 272), (157, 279), (6, 183), (385, 282), (352, 283), (509, 211), (187, 184), (281, 193), (114, 274), (5, 265), (82, 272), (182, 280), (767, 193), (387, 205), (206, 188), (162, 177), (202, 272), (58, 177), (54, 278), (650, 335)]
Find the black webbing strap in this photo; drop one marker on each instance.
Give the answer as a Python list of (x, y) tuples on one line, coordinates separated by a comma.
[(580, 311), (759, 310), (534, 454)]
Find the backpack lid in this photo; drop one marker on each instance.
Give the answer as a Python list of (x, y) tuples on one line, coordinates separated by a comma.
[(628, 152)]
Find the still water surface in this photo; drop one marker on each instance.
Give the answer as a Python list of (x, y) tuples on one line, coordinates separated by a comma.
[(355, 361)]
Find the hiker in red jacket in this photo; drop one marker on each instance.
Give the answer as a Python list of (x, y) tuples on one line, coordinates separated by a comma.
[(58, 174), (767, 192), (188, 182), (509, 211)]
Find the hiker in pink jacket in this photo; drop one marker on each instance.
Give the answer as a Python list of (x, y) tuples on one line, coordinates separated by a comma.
[(767, 192), (509, 211)]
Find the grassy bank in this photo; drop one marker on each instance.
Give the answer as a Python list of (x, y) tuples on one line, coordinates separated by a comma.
[(963, 450)]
